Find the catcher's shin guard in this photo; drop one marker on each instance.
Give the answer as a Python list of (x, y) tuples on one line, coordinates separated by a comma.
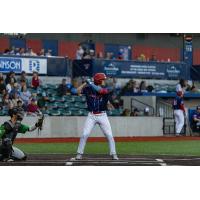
[(6, 148)]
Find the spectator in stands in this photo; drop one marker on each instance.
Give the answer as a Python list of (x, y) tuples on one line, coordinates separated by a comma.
[(17, 53), (22, 52), (6, 101), (15, 89), (181, 86), (23, 78), (79, 52), (42, 52), (126, 113), (86, 54), (100, 55), (120, 54), (146, 111), (33, 108), (20, 104), (153, 58), (62, 88), (143, 87), (1, 76), (74, 87), (109, 55), (10, 86), (92, 54), (25, 95), (135, 87), (191, 87), (194, 88), (150, 88), (6, 52), (12, 51), (30, 52), (9, 76), (49, 53), (2, 86), (35, 83), (142, 57), (42, 101), (135, 113), (127, 88), (14, 99), (196, 119)]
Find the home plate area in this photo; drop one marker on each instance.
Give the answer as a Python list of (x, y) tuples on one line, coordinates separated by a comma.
[(105, 160)]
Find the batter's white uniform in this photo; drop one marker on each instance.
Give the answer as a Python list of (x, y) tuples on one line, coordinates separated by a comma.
[(97, 105), (179, 109), (103, 122), (179, 119)]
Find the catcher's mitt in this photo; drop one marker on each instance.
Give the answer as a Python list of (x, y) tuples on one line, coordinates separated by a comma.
[(40, 123)]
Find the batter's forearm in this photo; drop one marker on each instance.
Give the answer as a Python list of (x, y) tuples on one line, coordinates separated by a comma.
[(99, 89), (79, 89)]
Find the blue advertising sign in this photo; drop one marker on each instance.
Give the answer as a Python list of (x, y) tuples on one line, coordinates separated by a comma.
[(52, 66), (188, 50), (136, 69), (10, 64)]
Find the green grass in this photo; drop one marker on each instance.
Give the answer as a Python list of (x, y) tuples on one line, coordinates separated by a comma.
[(135, 148)]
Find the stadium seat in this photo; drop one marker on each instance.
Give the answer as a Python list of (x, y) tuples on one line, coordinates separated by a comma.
[(72, 109), (80, 105), (78, 99), (115, 112), (77, 113), (54, 112), (59, 99), (60, 104), (84, 112), (67, 113)]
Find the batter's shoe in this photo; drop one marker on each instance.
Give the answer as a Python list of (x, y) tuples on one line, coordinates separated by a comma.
[(79, 156), (8, 160), (115, 157)]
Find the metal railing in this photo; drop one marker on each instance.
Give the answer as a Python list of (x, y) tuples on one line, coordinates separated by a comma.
[(164, 109), (143, 105)]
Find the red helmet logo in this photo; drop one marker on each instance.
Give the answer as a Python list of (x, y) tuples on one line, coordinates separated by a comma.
[(99, 77)]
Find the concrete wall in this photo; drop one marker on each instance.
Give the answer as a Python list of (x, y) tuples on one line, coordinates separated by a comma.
[(149, 100), (73, 126)]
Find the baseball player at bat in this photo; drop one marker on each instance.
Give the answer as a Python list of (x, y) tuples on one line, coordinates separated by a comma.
[(179, 112), (97, 97), (8, 133)]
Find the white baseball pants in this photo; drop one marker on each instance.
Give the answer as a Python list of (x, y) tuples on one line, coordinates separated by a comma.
[(103, 122), (179, 119)]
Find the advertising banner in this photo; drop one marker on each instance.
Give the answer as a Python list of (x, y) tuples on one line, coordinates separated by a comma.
[(136, 69), (19, 64)]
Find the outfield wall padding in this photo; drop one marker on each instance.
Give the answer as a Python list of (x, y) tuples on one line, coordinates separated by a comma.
[(58, 127)]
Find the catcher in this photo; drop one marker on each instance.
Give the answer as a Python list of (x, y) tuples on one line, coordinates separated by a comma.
[(8, 133)]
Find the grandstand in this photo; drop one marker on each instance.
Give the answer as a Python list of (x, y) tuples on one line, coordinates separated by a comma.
[(159, 60)]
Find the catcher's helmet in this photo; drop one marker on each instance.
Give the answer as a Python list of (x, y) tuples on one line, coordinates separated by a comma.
[(17, 111), (98, 78)]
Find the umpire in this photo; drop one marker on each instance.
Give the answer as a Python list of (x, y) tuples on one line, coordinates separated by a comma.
[(8, 133)]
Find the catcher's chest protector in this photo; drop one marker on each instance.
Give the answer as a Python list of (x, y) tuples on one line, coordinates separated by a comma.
[(11, 130)]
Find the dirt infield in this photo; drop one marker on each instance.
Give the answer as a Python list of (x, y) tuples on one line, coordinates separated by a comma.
[(105, 160)]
